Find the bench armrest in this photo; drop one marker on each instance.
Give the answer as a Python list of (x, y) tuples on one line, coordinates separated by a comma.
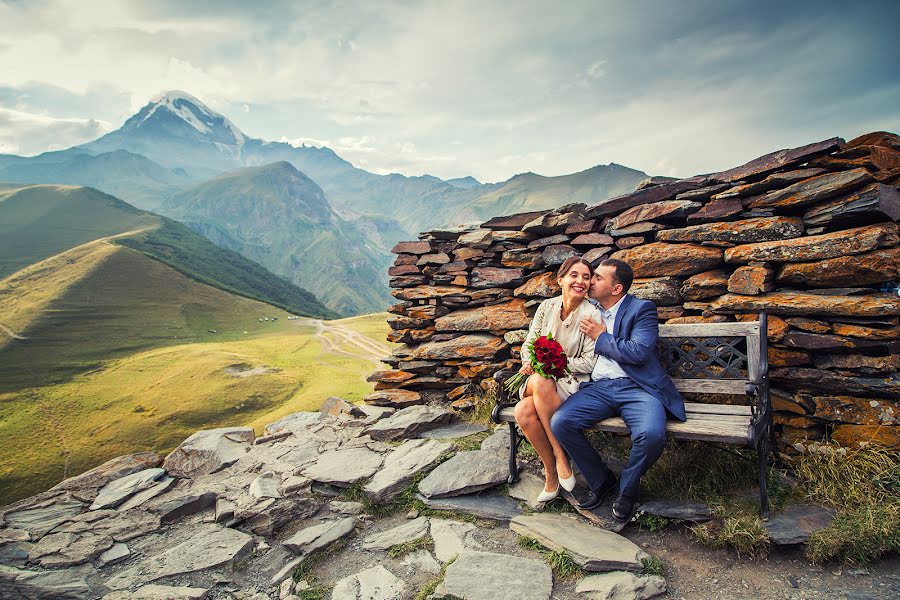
[(503, 396)]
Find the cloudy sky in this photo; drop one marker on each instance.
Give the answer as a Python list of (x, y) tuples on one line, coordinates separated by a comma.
[(453, 88)]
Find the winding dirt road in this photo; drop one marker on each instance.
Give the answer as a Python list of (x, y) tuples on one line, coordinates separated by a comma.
[(334, 338)]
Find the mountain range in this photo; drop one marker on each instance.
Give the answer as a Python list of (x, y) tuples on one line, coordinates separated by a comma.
[(304, 212)]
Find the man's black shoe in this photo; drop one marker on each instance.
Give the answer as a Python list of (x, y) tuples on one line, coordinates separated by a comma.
[(623, 508), (595, 499)]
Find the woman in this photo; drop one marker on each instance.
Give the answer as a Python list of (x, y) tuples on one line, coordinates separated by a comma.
[(540, 397)]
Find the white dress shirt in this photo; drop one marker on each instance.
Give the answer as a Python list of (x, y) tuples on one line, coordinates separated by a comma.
[(607, 368)]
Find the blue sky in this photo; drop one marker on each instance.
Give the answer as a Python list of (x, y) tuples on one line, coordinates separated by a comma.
[(457, 88)]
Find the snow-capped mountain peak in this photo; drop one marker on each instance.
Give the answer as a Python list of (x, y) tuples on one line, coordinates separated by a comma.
[(193, 112)]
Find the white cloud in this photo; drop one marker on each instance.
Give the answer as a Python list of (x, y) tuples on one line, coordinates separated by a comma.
[(26, 133)]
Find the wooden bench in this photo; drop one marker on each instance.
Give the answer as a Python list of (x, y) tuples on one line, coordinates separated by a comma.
[(707, 358)]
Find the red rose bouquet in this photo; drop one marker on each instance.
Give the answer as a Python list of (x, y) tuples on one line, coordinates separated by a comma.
[(547, 359)]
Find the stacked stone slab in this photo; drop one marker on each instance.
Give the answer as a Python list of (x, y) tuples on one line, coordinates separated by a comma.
[(809, 235)]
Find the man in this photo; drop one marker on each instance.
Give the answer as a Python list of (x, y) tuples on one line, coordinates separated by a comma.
[(627, 381)]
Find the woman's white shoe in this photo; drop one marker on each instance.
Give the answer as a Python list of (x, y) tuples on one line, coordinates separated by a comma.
[(568, 483), (546, 496)]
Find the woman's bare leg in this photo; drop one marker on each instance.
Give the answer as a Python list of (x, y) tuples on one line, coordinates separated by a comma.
[(547, 402), (536, 434)]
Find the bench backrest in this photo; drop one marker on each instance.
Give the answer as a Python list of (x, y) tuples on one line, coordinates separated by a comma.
[(719, 358)]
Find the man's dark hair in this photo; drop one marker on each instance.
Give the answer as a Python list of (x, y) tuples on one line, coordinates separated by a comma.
[(624, 273)]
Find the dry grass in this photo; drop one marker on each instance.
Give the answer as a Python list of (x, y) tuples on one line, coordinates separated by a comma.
[(743, 533)]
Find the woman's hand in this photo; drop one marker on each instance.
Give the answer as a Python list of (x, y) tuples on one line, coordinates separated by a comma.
[(526, 370)]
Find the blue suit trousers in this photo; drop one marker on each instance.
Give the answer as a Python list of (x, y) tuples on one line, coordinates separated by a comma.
[(644, 415)]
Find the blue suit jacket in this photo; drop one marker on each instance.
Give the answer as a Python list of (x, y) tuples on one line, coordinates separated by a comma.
[(632, 344)]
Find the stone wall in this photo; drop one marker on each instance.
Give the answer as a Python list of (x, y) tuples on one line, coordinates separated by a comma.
[(809, 235)]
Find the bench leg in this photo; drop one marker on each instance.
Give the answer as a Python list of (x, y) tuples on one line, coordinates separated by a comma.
[(762, 452), (514, 442)]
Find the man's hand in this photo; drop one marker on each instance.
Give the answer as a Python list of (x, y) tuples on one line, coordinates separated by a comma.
[(592, 328), (526, 370)]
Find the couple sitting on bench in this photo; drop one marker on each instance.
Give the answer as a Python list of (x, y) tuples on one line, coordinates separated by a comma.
[(615, 371)]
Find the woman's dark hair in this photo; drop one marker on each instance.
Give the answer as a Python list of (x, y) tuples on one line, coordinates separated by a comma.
[(569, 263), (624, 273)]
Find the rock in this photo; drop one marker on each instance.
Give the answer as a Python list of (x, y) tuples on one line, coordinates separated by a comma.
[(376, 413), (865, 269), (817, 247), (636, 229), (298, 422), (508, 315), (797, 523), (513, 222), (539, 286), (164, 484), (346, 508), (774, 181), (662, 291), (480, 238), (39, 520), (813, 190), (160, 592), (393, 398), (428, 292), (411, 248), (209, 450), (452, 538), (685, 511), (548, 241), (265, 486), (211, 546), (117, 491), (117, 553), (659, 259), (557, 220), (285, 589), (335, 407), (183, 506), (527, 489), (522, 258), (666, 210), (465, 473), (407, 532), (775, 161), (497, 442), (752, 280), (410, 421), (473, 346), (592, 239), (851, 436), (705, 285), (595, 255), (592, 548), (853, 410), (723, 209), (871, 203), (402, 465), (630, 242), (454, 430), (620, 585), (493, 507), (66, 584), (57, 550), (487, 576), (319, 536), (829, 382), (421, 561), (494, 277), (657, 193), (433, 259), (759, 229), (375, 583), (111, 470), (805, 304), (557, 254), (344, 466), (224, 510)]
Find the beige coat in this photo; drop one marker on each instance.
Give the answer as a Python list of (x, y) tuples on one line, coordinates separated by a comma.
[(578, 347)]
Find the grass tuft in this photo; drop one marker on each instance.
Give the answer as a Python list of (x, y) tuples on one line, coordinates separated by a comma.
[(743, 533), (652, 522), (561, 563), (422, 543), (428, 588), (858, 536), (653, 566)]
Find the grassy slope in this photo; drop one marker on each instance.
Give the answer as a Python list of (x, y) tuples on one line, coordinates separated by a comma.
[(125, 303), (40, 221), (153, 399)]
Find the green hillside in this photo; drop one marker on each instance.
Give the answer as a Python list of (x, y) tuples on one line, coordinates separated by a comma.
[(39, 221), (280, 218)]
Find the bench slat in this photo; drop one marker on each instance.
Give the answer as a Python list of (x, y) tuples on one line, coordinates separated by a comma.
[(712, 386), (717, 409), (692, 429), (705, 330)]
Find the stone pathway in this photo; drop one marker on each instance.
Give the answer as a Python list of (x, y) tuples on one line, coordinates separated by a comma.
[(232, 516)]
